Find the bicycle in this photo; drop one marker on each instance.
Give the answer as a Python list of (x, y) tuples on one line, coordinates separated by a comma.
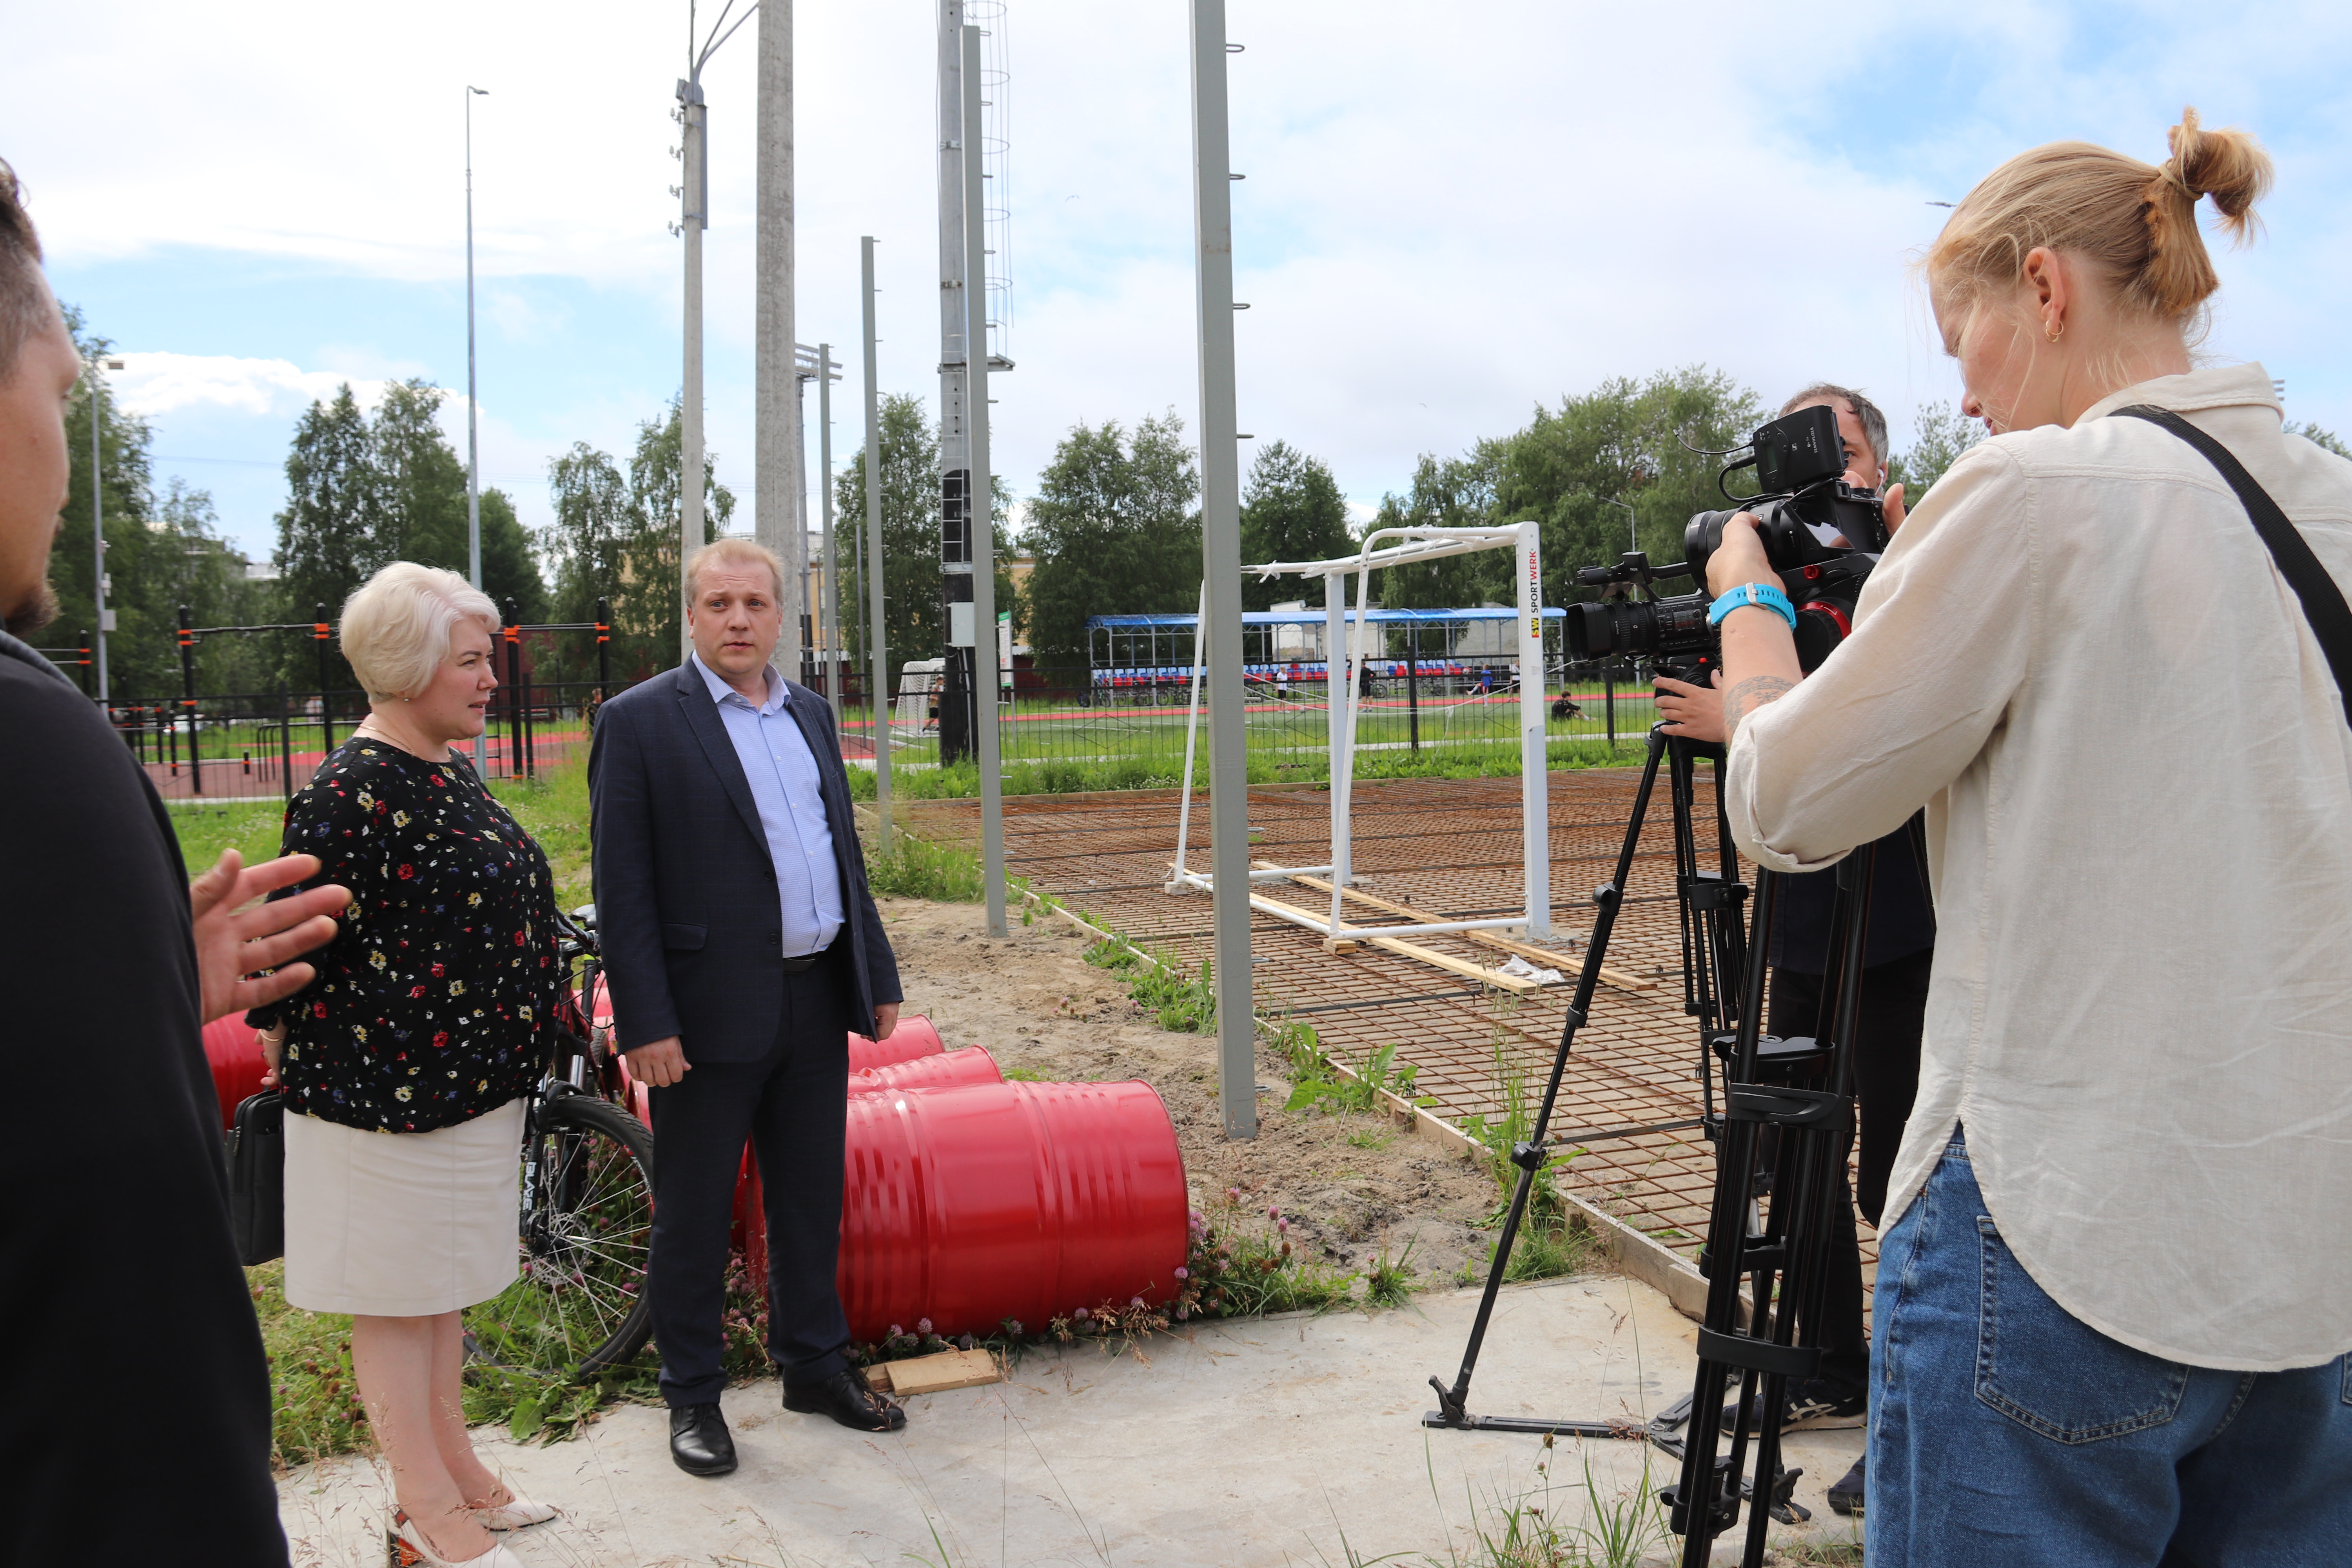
[(578, 1305)]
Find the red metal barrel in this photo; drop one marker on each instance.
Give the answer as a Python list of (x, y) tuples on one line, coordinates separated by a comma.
[(947, 1070), (913, 1037), (235, 1061), (974, 1205)]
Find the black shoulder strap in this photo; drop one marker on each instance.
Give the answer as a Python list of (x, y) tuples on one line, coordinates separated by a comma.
[(2323, 601)]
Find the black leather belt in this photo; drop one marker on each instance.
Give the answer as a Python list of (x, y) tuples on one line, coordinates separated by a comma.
[(802, 965)]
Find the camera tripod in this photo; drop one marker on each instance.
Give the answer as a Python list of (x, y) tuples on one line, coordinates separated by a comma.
[(1748, 1334)]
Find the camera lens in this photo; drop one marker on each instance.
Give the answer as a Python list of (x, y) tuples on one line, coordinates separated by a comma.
[(1592, 631)]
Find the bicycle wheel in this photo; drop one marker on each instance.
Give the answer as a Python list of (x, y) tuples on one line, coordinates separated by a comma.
[(579, 1304)]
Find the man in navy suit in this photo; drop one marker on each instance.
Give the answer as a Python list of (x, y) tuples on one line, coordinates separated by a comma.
[(743, 947)]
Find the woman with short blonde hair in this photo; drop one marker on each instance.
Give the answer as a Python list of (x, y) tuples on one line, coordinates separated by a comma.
[(403, 1063), (2109, 1331)]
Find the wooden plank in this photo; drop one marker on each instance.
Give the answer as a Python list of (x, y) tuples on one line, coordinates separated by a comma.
[(946, 1369), (1429, 955), (1518, 985), (1610, 973)]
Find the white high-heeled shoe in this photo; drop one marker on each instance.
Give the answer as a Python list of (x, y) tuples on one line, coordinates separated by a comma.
[(408, 1548), (518, 1513)]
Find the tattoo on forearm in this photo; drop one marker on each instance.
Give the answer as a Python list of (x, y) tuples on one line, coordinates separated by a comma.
[(1748, 696)]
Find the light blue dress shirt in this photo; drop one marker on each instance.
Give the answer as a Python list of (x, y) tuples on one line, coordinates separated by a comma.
[(785, 786)]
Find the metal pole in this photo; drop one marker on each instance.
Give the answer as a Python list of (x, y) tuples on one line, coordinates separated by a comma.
[(957, 616), (1535, 753), (98, 516), (188, 699), (473, 418), (836, 646), (514, 696), (876, 654), (1221, 566), (603, 650), (1413, 680), (980, 505), (693, 218), (1334, 678), (803, 623), (779, 512), (326, 698)]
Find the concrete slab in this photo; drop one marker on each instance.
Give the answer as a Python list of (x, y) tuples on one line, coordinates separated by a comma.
[(1287, 1440)]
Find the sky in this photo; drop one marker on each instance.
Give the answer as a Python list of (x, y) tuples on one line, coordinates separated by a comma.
[(1450, 216)]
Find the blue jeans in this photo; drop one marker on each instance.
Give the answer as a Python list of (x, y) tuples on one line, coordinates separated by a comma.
[(2003, 1431)]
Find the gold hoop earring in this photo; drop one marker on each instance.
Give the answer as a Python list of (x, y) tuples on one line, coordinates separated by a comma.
[(2054, 331)]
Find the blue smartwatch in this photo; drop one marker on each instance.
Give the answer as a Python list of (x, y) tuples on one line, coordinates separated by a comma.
[(1764, 595)]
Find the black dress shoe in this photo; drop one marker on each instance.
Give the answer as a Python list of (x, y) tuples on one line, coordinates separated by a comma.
[(846, 1398), (699, 1441)]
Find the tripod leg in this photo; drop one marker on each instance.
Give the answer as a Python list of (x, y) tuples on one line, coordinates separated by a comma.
[(1530, 1156)]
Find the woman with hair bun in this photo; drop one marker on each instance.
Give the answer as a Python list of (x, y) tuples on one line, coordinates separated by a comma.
[(2109, 1327), (404, 1061)]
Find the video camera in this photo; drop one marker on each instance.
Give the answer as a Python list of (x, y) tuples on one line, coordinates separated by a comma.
[(1821, 534)]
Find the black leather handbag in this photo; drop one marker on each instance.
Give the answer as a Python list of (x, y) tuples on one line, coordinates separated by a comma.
[(257, 1177)]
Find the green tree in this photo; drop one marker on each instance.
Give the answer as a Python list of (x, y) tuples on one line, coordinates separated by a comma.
[(1944, 433), (1116, 531), (1446, 493), (143, 656), (1626, 441), (423, 482), (913, 624), (1291, 510), (510, 570), (335, 531), (212, 584), (616, 536), (914, 601)]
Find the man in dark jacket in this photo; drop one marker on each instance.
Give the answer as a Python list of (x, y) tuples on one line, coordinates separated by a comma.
[(743, 947), (122, 1282)]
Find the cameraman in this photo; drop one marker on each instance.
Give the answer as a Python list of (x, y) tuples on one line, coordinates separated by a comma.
[(1900, 949), (2111, 1326)]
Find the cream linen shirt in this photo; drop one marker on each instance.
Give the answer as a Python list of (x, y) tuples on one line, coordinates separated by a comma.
[(2139, 784)]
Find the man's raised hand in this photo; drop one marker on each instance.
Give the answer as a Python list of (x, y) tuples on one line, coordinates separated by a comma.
[(234, 942)]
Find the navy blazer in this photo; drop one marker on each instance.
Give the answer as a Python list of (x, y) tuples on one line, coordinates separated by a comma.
[(687, 902)]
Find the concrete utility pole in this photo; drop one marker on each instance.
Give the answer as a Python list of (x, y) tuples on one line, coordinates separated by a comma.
[(837, 646), (473, 401), (693, 199), (955, 684), (1221, 567), (781, 488), (982, 508), (694, 217), (878, 666)]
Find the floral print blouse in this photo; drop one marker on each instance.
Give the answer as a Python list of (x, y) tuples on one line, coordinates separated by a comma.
[(428, 1006)]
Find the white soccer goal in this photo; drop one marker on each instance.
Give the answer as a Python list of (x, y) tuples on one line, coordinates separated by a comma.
[(1412, 546)]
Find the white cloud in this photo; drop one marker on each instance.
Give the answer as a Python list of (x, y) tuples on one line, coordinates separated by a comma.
[(160, 384)]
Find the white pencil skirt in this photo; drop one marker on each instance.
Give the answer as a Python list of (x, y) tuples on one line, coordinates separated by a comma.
[(401, 1225)]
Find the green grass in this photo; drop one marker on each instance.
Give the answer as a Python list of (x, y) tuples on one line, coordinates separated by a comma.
[(1164, 769), (251, 827), (553, 808)]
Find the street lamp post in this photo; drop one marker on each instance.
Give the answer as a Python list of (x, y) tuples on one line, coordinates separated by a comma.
[(694, 216), (473, 419), (1632, 534), (98, 516)]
